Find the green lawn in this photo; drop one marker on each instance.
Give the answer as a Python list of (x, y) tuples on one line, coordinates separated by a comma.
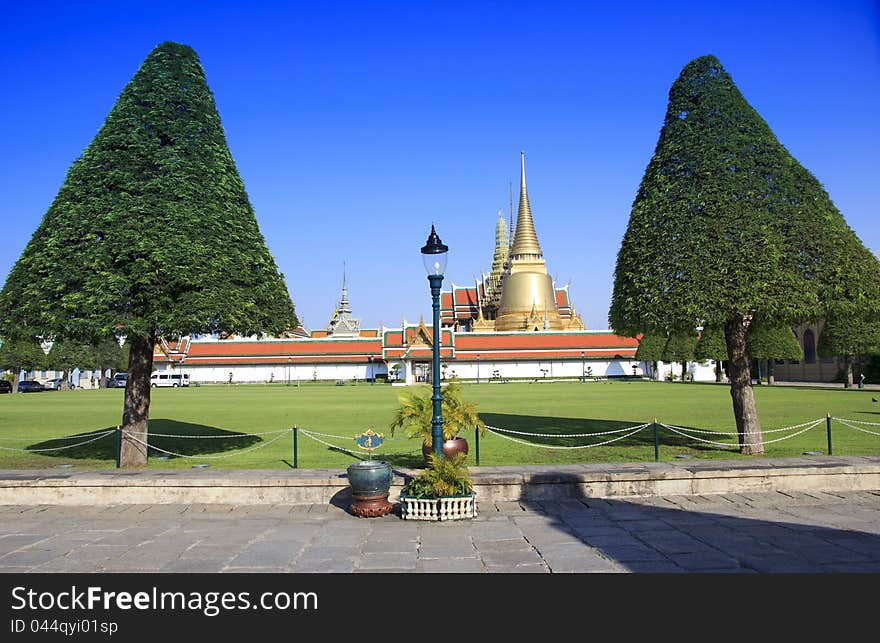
[(549, 408)]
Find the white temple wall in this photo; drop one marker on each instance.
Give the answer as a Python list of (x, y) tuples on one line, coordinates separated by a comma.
[(485, 369), (262, 374)]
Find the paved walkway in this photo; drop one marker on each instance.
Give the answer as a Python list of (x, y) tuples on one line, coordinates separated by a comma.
[(730, 533)]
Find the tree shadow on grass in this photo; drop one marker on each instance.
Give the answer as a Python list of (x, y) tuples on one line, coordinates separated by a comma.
[(213, 440), (554, 426)]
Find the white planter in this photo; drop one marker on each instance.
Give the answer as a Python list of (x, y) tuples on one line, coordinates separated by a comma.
[(447, 508)]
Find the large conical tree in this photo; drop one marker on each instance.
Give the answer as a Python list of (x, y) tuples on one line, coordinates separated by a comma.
[(712, 346), (23, 353), (849, 337), (650, 351), (152, 235), (772, 343), (727, 225), (680, 348), (67, 355)]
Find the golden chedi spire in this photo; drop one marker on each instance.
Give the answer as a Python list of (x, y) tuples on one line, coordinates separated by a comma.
[(525, 242), (526, 287)]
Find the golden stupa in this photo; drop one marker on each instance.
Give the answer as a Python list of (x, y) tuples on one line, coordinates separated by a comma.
[(528, 299)]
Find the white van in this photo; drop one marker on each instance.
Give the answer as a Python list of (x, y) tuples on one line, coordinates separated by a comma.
[(167, 378)]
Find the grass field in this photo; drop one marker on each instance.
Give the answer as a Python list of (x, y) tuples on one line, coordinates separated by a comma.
[(550, 408)]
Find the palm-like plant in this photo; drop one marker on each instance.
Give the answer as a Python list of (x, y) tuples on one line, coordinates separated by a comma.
[(416, 411), (444, 477)]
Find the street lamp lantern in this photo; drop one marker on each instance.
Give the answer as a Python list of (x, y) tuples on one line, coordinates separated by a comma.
[(434, 255), (434, 258)]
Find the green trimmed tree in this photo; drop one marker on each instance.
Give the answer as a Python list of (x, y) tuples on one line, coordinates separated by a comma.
[(680, 348), (650, 351), (711, 346), (66, 355), (156, 216), (726, 226), (22, 353), (109, 355), (772, 343), (849, 337)]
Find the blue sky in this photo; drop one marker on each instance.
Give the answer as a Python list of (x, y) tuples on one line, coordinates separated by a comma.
[(355, 125)]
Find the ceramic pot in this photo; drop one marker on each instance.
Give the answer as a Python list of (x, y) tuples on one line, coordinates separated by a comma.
[(370, 482), (450, 448)]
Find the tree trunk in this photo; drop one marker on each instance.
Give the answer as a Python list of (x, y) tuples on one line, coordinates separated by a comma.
[(771, 378), (684, 371), (16, 380), (64, 385), (744, 410), (102, 381), (136, 411), (655, 371), (847, 372), (718, 378)]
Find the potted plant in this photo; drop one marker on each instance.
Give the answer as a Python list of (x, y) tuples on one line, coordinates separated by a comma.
[(370, 480), (416, 411), (443, 491)]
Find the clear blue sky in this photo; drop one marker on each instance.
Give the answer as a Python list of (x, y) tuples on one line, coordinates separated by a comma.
[(355, 125)]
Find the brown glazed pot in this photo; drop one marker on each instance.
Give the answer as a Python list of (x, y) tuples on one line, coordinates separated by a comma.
[(450, 448)]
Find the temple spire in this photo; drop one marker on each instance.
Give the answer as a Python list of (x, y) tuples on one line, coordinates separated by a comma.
[(511, 228), (341, 322), (525, 242), (344, 306), (502, 245)]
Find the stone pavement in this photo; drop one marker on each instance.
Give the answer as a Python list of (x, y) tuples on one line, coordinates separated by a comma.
[(763, 532)]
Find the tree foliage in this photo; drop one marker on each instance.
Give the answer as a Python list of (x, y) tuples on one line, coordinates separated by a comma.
[(109, 355), (21, 354), (711, 345), (679, 347), (157, 219), (775, 342), (68, 355), (651, 347), (849, 336), (726, 222)]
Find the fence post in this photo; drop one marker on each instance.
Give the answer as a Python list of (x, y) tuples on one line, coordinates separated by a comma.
[(477, 443), (118, 447), (656, 442), (828, 426), (295, 454)]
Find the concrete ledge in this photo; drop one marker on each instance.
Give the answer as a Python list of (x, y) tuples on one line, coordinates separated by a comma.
[(537, 482)]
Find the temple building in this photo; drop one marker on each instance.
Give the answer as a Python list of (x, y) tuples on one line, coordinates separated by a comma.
[(518, 294), (513, 323)]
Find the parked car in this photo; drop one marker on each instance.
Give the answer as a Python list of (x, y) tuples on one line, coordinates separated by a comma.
[(118, 381), (30, 386), (5, 386), (53, 385)]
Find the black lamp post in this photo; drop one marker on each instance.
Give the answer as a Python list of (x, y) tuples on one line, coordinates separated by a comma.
[(583, 368), (434, 258), (372, 370), (478, 370), (289, 359)]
